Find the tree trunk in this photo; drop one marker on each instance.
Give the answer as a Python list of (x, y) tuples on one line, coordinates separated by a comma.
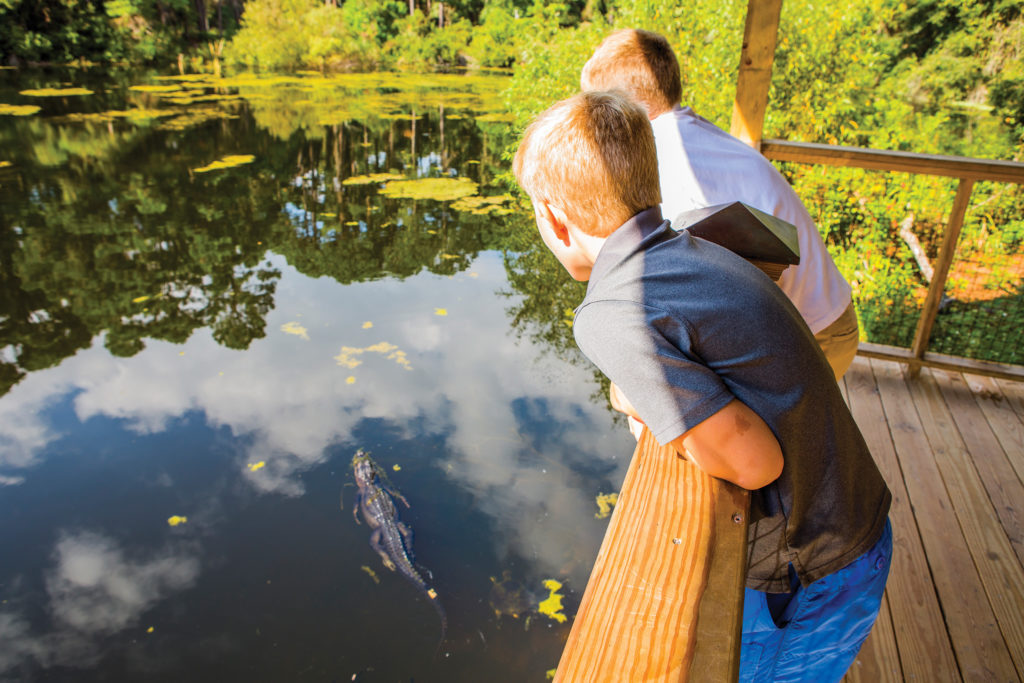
[(440, 15), (202, 23)]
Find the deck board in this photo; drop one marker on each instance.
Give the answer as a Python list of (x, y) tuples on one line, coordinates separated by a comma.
[(1005, 490), (921, 637), (1014, 392), (951, 447), (1001, 575)]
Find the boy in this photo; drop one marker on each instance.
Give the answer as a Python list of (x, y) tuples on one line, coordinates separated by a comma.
[(714, 358), (701, 165)]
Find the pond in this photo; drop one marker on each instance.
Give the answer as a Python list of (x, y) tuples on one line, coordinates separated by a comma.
[(214, 293)]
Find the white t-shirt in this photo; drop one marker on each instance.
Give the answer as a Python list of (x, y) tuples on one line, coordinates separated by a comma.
[(701, 165)]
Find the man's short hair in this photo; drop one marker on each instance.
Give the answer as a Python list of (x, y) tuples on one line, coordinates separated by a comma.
[(640, 62), (593, 155)]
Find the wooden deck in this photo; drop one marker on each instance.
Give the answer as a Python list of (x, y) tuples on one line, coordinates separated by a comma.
[(951, 447)]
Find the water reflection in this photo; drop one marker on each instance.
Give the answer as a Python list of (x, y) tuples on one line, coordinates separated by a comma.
[(215, 346)]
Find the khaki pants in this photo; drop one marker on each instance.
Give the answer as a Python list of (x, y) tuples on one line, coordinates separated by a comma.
[(839, 341)]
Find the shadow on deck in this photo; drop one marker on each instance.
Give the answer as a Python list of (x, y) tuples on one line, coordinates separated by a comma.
[(951, 447)]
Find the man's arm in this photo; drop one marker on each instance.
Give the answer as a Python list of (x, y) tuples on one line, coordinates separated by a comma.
[(733, 444)]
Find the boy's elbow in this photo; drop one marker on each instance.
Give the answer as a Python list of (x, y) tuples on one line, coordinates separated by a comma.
[(769, 469)]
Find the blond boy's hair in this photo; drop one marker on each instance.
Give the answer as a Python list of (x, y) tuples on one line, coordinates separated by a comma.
[(640, 62), (593, 155)]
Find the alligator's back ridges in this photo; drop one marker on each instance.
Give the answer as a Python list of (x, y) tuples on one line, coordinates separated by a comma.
[(390, 538)]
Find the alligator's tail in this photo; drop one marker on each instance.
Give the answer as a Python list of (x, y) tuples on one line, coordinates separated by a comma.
[(436, 602)]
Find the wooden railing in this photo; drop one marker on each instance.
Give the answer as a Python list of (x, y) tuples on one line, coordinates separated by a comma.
[(672, 565), (968, 171)]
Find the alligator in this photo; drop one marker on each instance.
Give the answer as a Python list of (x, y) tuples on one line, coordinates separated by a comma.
[(391, 538)]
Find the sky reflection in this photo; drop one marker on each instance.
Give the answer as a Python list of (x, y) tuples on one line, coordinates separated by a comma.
[(518, 436)]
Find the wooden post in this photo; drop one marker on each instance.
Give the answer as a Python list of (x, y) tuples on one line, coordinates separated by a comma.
[(941, 271), (755, 74), (665, 598)]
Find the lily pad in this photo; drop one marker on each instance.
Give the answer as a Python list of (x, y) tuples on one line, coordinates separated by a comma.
[(55, 92), (18, 109), (440, 189), (229, 161)]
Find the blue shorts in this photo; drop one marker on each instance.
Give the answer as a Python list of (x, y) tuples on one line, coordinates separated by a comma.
[(824, 623)]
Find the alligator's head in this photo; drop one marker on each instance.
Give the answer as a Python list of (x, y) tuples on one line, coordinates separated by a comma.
[(364, 469)]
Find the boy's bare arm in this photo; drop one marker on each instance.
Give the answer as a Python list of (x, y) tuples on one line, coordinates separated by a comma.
[(734, 444)]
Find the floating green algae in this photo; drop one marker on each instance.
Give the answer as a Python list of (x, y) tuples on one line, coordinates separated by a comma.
[(372, 178), (195, 117), (440, 189), (55, 92), (155, 88), (18, 109), (478, 205), (229, 161), (497, 117), (133, 115)]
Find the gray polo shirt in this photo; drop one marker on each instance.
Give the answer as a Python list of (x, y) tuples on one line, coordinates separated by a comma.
[(683, 326)]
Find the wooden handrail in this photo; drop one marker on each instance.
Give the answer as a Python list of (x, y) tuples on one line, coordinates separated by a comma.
[(888, 160), (665, 598), (966, 169)]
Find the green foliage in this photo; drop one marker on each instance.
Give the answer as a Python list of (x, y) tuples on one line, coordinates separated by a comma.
[(418, 43), (494, 40)]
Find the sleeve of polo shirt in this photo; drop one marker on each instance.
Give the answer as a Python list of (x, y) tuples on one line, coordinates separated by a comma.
[(649, 355)]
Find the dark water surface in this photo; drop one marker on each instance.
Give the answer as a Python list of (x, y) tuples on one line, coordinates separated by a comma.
[(189, 359)]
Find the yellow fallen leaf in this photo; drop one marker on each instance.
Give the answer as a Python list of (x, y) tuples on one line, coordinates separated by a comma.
[(367, 325), (149, 630), (296, 329), (397, 468), (440, 311), (381, 347), (253, 466), (605, 501), (350, 380), (345, 358), (176, 520), (552, 606)]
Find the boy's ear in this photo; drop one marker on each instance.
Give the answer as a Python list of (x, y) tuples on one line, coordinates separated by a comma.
[(556, 219)]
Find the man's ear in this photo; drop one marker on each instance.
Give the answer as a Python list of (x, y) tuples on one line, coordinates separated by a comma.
[(556, 219)]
